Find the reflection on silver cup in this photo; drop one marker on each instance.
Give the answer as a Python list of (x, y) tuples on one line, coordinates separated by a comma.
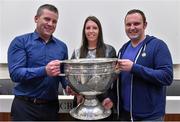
[(90, 77)]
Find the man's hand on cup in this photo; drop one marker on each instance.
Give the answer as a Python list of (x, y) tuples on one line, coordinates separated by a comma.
[(124, 65), (53, 68)]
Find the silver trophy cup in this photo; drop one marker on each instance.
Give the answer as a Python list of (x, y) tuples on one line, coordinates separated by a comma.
[(90, 77)]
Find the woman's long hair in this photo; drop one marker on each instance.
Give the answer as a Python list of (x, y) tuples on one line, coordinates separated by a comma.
[(100, 48)]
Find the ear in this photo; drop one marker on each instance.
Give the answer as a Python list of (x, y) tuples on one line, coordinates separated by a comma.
[(145, 25), (36, 19)]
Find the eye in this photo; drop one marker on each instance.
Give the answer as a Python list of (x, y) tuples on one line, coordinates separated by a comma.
[(87, 28), (137, 23), (128, 24), (95, 28), (54, 21), (47, 19)]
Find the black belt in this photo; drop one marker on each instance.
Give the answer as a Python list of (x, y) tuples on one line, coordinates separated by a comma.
[(36, 100)]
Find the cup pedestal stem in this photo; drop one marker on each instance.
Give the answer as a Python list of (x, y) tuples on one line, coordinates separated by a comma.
[(90, 109)]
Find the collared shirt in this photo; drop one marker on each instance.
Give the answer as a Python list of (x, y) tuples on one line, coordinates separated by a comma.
[(27, 57)]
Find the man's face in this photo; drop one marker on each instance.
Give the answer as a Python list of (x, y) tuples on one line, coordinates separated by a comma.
[(46, 23), (135, 27)]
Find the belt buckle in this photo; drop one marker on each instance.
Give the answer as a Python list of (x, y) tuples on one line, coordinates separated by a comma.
[(35, 100)]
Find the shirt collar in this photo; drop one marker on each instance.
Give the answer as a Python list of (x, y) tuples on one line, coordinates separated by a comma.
[(37, 37)]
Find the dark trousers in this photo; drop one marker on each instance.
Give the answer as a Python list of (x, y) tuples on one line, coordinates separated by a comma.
[(27, 111), (125, 116)]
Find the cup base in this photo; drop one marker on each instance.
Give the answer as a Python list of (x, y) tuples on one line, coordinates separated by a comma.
[(88, 112)]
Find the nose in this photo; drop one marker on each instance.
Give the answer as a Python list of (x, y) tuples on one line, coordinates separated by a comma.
[(132, 26), (50, 23), (90, 30)]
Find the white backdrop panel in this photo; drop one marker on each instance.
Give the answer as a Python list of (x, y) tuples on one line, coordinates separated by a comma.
[(17, 17)]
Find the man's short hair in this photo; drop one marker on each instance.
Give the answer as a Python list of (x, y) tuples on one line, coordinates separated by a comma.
[(137, 11), (46, 6)]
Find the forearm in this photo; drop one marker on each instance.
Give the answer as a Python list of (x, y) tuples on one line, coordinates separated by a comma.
[(161, 76), (25, 74)]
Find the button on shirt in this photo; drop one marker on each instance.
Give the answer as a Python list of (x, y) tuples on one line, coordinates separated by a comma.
[(27, 57)]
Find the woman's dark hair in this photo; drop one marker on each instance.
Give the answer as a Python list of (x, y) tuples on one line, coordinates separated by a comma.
[(100, 48)]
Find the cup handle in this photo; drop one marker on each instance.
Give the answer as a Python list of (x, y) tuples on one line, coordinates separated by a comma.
[(62, 74)]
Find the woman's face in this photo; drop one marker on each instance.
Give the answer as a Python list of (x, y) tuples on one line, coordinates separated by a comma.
[(91, 31)]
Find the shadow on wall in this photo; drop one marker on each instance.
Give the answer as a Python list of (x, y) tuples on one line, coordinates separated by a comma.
[(6, 86)]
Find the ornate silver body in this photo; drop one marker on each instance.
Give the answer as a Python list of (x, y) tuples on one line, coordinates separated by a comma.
[(90, 77)]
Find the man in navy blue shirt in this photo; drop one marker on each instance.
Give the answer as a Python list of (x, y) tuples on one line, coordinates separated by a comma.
[(34, 65), (146, 69)]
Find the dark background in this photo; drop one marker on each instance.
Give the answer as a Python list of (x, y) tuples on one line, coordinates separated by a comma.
[(6, 86)]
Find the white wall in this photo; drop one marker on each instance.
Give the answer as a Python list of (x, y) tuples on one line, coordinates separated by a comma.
[(178, 35), (16, 18), (0, 31)]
